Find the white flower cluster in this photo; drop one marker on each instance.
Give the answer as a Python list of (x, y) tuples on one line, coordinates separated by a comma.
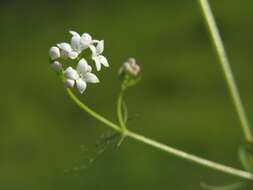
[(82, 74)]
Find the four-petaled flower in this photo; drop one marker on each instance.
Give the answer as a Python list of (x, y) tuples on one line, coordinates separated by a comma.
[(81, 76), (96, 54)]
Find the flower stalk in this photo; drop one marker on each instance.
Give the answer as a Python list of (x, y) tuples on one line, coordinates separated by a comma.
[(227, 71), (91, 112), (160, 146), (119, 110)]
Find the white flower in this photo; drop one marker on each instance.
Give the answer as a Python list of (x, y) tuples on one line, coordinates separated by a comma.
[(80, 43), (81, 76), (57, 66), (67, 51), (54, 52), (96, 55)]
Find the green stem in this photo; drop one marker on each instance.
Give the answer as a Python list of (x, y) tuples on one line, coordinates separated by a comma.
[(228, 74), (119, 110), (125, 112), (163, 147), (92, 113), (190, 157)]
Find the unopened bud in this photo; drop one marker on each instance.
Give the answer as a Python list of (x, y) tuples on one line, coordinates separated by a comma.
[(69, 83), (57, 66), (54, 52), (130, 67)]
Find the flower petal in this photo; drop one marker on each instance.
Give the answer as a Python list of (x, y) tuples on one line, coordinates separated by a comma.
[(87, 37), (64, 46), (103, 60), (91, 78), (93, 50), (85, 41), (100, 47), (71, 73), (95, 41), (72, 54), (75, 43), (97, 63), (83, 44), (81, 85), (74, 33), (82, 67)]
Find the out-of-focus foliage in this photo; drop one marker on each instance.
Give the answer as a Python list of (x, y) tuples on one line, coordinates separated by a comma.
[(47, 143)]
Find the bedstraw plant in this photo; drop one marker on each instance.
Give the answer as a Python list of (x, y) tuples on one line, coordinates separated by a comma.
[(71, 65)]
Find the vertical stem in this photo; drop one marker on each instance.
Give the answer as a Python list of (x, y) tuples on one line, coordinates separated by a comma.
[(228, 74), (119, 110)]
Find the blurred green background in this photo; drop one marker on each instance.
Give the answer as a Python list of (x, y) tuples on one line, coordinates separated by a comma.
[(48, 143)]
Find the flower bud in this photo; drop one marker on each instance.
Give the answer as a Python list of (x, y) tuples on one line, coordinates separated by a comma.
[(69, 83), (57, 66), (130, 67), (129, 73), (54, 52)]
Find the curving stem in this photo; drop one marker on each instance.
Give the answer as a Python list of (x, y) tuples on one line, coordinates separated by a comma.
[(160, 146)]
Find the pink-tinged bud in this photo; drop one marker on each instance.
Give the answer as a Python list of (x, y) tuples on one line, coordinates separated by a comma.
[(57, 66), (69, 83), (130, 67), (54, 52)]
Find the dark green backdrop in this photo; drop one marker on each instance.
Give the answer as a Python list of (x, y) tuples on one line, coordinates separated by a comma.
[(47, 143)]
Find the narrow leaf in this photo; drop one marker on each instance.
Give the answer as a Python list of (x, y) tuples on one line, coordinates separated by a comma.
[(233, 186), (246, 156)]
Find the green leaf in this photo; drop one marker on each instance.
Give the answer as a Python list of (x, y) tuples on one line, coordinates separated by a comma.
[(246, 156), (233, 186), (107, 139)]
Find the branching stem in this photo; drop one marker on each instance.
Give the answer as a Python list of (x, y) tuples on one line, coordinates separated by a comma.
[(160, 146), (173, 151)]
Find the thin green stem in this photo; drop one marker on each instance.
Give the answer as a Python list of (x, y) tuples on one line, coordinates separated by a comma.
[(92, 113), (119, 110), (228, 74), (190, 157), (125, 111), (162, 147)]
